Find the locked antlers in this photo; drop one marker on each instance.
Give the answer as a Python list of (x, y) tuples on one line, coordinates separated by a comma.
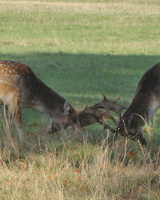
[(110, 105), (92, 114)]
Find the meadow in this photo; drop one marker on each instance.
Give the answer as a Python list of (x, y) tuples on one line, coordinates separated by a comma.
[(82, 50)]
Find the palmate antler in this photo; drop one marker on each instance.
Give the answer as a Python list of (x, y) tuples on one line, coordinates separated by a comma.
[(92, 114), (110, 105)]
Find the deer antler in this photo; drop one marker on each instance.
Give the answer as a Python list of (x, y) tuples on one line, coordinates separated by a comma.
[(111, 105), (91, 115)]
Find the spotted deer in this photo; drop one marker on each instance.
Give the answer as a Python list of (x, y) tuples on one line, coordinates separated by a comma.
[(21, 88)]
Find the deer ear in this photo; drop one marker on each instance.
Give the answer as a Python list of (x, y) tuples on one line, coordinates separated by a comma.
[(136, 118), (66, 108)]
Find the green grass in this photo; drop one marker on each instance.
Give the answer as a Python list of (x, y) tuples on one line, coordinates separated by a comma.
[(82, 50)]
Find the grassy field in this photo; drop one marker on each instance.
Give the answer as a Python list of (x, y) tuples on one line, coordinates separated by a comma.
[(82, 50)]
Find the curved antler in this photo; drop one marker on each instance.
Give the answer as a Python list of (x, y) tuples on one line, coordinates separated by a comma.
[(92, 114), (89, 116), (111, 105)]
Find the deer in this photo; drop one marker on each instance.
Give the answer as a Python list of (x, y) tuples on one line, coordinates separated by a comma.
[(145, 103), (21, 88)]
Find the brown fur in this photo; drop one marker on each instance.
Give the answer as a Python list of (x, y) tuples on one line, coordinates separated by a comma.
[(20, 87)]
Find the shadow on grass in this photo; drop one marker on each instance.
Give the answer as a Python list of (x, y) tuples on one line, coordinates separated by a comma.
[(84, 77)]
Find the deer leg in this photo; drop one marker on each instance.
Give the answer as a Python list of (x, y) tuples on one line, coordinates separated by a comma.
[(17, 116), (53, 127), (7, 117)]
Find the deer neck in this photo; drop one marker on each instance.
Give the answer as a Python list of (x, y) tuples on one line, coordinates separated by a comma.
[(44, 99), (144, 105)]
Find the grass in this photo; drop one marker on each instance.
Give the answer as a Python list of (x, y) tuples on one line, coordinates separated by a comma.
[(82, 50)]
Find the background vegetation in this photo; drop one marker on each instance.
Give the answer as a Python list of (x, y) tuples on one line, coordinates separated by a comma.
[(82, 50)]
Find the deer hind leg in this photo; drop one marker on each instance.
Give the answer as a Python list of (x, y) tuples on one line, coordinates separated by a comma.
[(7, 117), (17, 116), (12, 113)]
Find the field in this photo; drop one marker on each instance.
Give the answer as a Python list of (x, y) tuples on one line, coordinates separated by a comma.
[(82, 50)]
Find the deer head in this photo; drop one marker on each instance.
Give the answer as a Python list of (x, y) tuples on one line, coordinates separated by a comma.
[(145, 103), (131, 127), (62, 120)]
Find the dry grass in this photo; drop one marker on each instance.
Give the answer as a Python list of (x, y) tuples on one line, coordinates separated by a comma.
[(77, 169), (82, 172), (83, 7)]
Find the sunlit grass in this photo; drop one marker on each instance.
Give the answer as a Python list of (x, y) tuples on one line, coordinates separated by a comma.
[(81, 27)]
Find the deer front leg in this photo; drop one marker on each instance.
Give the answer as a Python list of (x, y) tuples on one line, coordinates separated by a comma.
[(53, 127)]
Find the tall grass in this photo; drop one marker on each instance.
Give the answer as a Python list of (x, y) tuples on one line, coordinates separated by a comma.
[(82, 171), (81, 49)]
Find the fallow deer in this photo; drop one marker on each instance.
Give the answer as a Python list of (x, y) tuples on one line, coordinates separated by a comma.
[(145, 103), (21, 88)]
